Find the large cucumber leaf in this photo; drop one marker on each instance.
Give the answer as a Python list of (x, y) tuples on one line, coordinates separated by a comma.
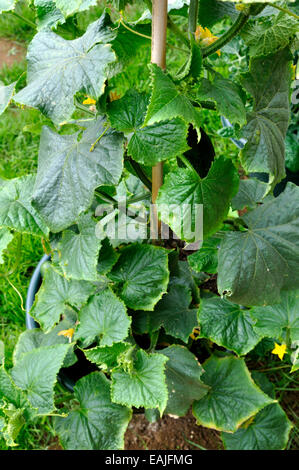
[(268, 82), (212, 11), (7, 5), (16, 211), (107, 357), (184, 189), (227, 325), (97, 423), (183, 374), (79, 250), (69, 172), (143, 384), (69, 7), (36, 374), (233, 396), (141, 275), (105, 318), (268, 37), (167, 103), (48, 15), (276, 320), (58, 69), (256, 264), (55, 295), (250, 193)]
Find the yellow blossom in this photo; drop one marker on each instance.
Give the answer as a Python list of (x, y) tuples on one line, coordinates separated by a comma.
[(67, 333), (114, 96), (89, 101), (195, 333), (279, 350), (205, 37)]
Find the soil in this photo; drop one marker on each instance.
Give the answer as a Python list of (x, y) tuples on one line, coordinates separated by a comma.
[(170, 434), (10, 52)]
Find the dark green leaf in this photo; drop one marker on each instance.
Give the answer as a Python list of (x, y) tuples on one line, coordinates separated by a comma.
[(206, 258), (212, 11), (250, 193)]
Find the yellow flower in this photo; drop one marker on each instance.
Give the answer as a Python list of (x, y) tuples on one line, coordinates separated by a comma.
[(89, 101), (195, 333), (114, 96), (279, 350), (205, 37), (67, 333)]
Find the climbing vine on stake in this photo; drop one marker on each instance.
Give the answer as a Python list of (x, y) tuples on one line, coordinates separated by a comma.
[(129, 298)]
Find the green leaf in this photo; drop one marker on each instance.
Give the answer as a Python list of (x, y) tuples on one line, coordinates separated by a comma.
[(6, 94), (127, 115), (183, 374), (275, 320), (212, 11), (184, 188), (11, 429), (233, 396), (227, 325), (292, 152), (48, 15), (97, 424), (141, 275), (54, 296), (69, 7), (10, 393), (32, 339), (36, 374), (181, 275), (250, 193), (174, 314), (5, 239), (268, 37), (107, 357), (193, 65), (7, 5), (58, 69), (167, 103), (206, 258), (158, 142), (268, 82), (79, 251), (144, 385), (67, 164), (105, 318), (107, 258), (227, 96), (269, 429), (254, 265), (16, 211)]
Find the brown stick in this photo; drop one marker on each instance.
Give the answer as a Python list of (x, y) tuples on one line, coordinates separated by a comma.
[(159, 32)]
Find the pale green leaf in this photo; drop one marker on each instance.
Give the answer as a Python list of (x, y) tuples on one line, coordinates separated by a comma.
[(183, 374), (36, 374), (144, 385), (141, 275), (16, 211), (67, 164), (69, 7), (104, 318), (97, 423), (268, 37), (58, 69), (48, 15), (227, 325), (7, 5), (107, 356), (254, 265), (5, 238), (54, 297), (6, 94), (233, 396)]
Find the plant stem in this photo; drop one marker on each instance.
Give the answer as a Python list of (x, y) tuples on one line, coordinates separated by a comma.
[(83, 108), (285, 10), (20, 17), (140, 173), (193, 15), (188, 165), (98, 139), (228, 36)]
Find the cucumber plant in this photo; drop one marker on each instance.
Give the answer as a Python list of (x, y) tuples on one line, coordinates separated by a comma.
[(118, 291)]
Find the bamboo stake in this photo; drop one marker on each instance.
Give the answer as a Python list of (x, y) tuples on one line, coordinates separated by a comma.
[(158, 56)]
